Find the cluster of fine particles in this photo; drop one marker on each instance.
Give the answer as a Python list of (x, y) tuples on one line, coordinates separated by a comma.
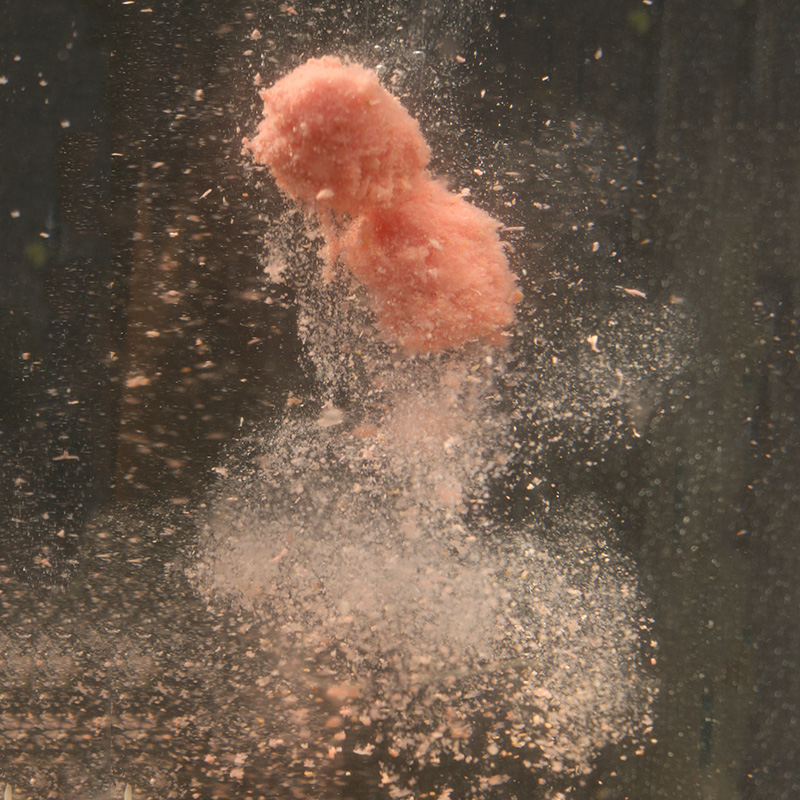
[(433, 264), (414, 645)]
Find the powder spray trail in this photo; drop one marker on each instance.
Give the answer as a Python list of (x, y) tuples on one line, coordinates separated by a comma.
[(453, 656)]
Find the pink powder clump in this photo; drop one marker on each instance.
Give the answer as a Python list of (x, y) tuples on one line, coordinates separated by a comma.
[(435, 269), (434, 266), (333, 137)]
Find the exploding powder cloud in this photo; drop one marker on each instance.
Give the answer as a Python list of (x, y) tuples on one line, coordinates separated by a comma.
[(430, 648), (452, 645)]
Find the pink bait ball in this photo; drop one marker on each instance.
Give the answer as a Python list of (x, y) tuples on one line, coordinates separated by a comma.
[(433, 264), (435, 269), (333, 137)]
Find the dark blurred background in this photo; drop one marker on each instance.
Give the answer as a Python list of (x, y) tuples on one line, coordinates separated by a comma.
[(138, 337)]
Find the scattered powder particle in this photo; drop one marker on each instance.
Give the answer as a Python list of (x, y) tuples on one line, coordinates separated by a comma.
[(137, 380)]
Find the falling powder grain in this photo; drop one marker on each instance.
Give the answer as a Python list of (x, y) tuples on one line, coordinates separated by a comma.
[(433, 264)]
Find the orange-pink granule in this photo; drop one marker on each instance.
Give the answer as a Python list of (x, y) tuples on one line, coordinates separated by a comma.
[(433, 264)]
